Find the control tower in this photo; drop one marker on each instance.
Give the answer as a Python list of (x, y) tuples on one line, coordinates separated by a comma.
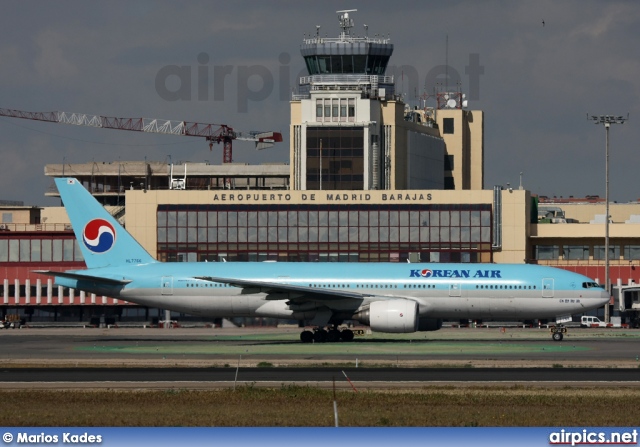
[(347, 62), (348, 126)]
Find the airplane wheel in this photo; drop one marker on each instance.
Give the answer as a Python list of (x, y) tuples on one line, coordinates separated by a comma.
[(333, 336), (306, 336), (346, 335), (557, 336), (320, 336)]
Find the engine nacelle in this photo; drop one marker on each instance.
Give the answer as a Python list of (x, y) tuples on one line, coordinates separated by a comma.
[(429, 324), (397, 316)]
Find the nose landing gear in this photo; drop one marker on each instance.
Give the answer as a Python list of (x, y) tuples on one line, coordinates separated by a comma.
[(557, 332)]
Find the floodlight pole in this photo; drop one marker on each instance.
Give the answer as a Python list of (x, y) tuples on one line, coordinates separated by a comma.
[(607, 120), (607, 286), (320, 164)]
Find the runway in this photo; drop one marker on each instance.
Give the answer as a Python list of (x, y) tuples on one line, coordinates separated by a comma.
[(209, 358), (61, 376)]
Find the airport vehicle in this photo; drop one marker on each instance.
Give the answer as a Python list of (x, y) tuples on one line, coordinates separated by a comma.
[(588, 321), (389, 297)]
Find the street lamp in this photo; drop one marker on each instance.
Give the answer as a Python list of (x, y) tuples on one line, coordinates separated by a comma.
[(607, 120)]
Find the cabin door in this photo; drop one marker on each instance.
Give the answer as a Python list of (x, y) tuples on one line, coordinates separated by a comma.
[(167, 285), (547, 287)]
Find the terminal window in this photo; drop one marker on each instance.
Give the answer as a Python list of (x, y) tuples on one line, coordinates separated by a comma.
[(290, 232), (614, 252), (632, 252), (576, 252), (335, 155), (547, 252), (40, 249)]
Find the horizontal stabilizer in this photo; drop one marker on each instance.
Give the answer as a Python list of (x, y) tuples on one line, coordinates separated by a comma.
[(81, 277)]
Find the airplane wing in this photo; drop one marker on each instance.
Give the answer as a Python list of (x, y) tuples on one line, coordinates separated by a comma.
[(280, 291), (81, 277)]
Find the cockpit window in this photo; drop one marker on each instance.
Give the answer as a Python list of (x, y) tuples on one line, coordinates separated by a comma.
[(591, 285)]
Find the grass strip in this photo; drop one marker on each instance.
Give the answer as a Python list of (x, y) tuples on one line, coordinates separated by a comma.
[(306, 406)]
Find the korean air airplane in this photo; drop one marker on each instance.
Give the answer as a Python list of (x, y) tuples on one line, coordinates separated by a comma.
[(389, 297)]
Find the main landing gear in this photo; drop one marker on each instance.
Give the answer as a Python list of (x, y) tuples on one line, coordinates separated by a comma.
[(557, 332), (322, 335)]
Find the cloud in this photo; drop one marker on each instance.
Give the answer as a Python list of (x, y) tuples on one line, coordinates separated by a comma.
[(53, 59), (538, 82)]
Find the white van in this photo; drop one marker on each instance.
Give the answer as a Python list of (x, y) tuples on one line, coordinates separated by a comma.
[(586, 321)]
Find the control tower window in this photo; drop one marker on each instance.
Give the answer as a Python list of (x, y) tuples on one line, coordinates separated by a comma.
[(336, 64), (312, 64), (347, 63), (376, 65), (324, 65), (319, 109)]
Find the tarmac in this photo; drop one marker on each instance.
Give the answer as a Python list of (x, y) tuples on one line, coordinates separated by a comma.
[(493, 347)]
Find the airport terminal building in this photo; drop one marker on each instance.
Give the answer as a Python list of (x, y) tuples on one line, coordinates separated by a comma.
[(369, 179)]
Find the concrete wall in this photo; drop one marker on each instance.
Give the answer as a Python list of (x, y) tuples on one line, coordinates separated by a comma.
[(54, 215), (466, 144), (475, 120), (516, 207), (18, 215)]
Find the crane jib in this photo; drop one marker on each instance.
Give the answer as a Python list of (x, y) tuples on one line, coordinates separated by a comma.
[(219, 133)]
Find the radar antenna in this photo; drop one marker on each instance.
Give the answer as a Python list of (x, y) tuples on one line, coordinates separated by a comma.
[(346, 23)]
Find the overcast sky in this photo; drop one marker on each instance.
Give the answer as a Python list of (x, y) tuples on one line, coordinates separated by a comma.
[(535, 83)]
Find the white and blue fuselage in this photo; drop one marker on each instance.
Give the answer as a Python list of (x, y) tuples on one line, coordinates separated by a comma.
[(478, 291)]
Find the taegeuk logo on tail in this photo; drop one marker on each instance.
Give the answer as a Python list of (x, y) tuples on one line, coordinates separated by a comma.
[(99, 236)]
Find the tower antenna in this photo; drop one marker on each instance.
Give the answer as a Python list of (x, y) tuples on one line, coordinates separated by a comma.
[(446, 64)]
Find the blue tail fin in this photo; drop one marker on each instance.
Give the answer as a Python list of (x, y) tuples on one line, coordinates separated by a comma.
[(103, 241)]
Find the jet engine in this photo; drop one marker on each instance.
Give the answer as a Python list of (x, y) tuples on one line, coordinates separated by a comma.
[(398, 316)]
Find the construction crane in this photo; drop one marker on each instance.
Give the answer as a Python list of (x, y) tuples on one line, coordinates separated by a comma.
[(213, 133)]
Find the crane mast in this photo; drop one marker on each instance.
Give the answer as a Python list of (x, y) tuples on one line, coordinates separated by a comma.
[(213, 133)]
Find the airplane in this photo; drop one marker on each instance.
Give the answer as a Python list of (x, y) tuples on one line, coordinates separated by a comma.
[(388, 297)]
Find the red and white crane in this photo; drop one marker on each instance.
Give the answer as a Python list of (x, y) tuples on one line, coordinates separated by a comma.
[(214, 133)]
